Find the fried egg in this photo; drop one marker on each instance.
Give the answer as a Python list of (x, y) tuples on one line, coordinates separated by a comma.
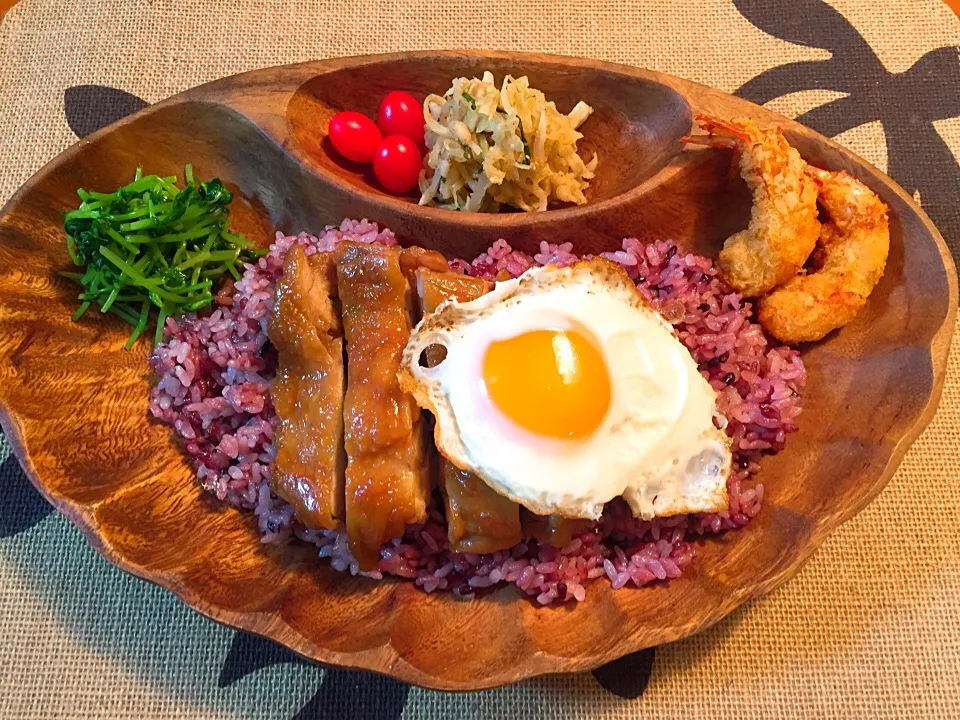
[(563, 389)]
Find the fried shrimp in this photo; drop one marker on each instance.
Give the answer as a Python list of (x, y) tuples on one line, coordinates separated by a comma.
[(783, 225), (850, 259)]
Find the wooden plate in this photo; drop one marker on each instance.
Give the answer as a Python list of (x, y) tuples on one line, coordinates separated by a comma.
[(75, 404)]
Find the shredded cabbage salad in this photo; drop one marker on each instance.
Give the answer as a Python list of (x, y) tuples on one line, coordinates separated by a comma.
[(489, 146)]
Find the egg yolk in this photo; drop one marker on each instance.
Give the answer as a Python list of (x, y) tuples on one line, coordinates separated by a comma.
[(550, 382)]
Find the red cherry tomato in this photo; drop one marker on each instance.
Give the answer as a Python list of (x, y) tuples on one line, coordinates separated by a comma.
[(397, 164), (354, 136), (401, 114)]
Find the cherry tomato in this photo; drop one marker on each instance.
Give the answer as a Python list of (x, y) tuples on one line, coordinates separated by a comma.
[(397, 164), (354, 136), (401, 114)]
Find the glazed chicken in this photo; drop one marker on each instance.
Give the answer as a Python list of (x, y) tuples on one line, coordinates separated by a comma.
[(479, 520), (351, 443), (387, 479), (305, 328)]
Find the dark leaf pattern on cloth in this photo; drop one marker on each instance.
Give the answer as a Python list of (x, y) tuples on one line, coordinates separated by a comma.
[(629, 676), (91, 107), (907, 103), (22, 506), (350, 695), (342, 694), (249, 653)]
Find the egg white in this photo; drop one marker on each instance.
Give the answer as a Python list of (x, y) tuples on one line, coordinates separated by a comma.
[(658, 445)]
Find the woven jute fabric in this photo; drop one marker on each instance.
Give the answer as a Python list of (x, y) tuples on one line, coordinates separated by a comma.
[(869, 628)]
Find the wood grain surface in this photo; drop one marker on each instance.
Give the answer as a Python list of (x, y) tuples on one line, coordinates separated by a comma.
[(74, 403)]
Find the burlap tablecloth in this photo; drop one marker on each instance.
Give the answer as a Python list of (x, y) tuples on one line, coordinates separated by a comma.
[(870, 628)]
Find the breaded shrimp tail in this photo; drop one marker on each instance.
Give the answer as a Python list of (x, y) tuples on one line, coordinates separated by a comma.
[(783, 225), (852, 254)]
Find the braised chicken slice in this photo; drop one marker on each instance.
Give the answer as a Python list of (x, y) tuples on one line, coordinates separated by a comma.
[(387, 480), (551, 529), (478, 519), (413, 259), (305, 328)]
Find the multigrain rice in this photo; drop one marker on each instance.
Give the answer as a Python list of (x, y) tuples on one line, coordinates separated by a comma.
[(214, 378)]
